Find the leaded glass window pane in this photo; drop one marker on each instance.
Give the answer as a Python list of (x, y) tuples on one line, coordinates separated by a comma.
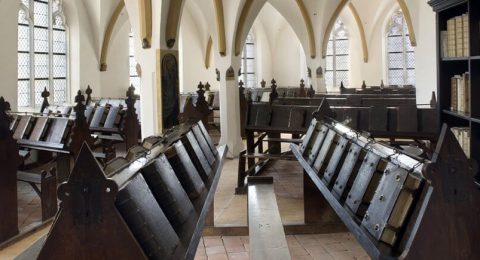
[(400, 53), (134, 78), (337, 68), (248, 74), (42, 52)]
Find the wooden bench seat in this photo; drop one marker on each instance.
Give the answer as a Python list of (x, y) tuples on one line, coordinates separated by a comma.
[(47, 191), (265, 228)]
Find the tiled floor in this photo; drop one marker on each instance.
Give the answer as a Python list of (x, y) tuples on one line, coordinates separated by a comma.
[(230, 210), (338, 246)]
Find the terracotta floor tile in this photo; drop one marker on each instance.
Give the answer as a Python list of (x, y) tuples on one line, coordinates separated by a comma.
[(212, 241), (215, 250), (238, 256)]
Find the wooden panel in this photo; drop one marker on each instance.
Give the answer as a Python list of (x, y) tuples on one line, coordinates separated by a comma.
[(347, 169), (168, 192), (38, 129), (378, 119), (338, 156), (297, 119), (360, 185), (322, 157), (407, 120), (204, 145), (376, 220), (207, 137), (111, 121), (146, 220), (196, 154), (22, 127), (311, 134), (57, 130), (267, 238), (281, 117), (98, 117), (318, 144)]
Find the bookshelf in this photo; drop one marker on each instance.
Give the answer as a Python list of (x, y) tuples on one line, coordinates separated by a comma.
[(451, 65)]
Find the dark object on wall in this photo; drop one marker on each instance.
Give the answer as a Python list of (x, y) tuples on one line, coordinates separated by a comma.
[(263, 83), (309, 72), (170, 91), (218, 74), (230, 74), (319, 72)]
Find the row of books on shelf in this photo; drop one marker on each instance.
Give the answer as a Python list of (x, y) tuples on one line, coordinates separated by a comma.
[(460, 93), (456, 39), (463, 136)]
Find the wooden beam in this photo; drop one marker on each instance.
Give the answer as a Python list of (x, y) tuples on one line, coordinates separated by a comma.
[(330, 25), (222, 46), (309, 26), (408, 19), (208, 53), (361, 29), (240, 26), (173, 22), (145, 7), (108, 34)]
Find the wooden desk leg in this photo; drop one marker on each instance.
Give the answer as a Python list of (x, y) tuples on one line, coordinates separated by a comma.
[(250, 147), (8, 189), (274, 147), (316, 208)]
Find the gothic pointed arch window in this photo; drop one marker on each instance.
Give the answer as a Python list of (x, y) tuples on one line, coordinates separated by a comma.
[(248, 75), (337, 69), (134, 77), (400, 53), (42, 52)]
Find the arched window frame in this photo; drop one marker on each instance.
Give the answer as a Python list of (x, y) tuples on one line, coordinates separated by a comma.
[(400, 54), (337, 69), (43, 61), (134, 77), (248, 70)]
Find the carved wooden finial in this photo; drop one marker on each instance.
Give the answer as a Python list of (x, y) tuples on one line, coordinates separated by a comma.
[(207, 86), (80, 130), (131, 129), (241, 84), (341, 85), (4, 106), (364, 85), (89, 92), (201, 92), (45, 95), (274, 83), (311, 92), (382, 85), (263, 83), (433, 100), (302, 92), (274, 93)]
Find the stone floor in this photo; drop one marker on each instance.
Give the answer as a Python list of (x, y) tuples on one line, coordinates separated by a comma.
[(230, 210)]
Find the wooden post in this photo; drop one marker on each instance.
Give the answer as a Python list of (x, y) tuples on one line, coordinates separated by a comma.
[(364, 85), (274, 93), (45, 95), (131, 128), (8, 177), (80, 130), (263, 84), (311, 92), (433, 100), (302, 92), (243, 109), (89, 95)]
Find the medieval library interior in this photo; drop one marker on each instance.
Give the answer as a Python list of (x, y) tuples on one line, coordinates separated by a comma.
[(239, 129)]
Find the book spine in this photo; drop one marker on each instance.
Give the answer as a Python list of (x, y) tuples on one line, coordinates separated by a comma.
[(466, 35), (454, 97), (466, 87), (459, 36), (451, 38)]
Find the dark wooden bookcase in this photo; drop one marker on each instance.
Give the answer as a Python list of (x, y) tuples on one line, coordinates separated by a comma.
[(448, 67)]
